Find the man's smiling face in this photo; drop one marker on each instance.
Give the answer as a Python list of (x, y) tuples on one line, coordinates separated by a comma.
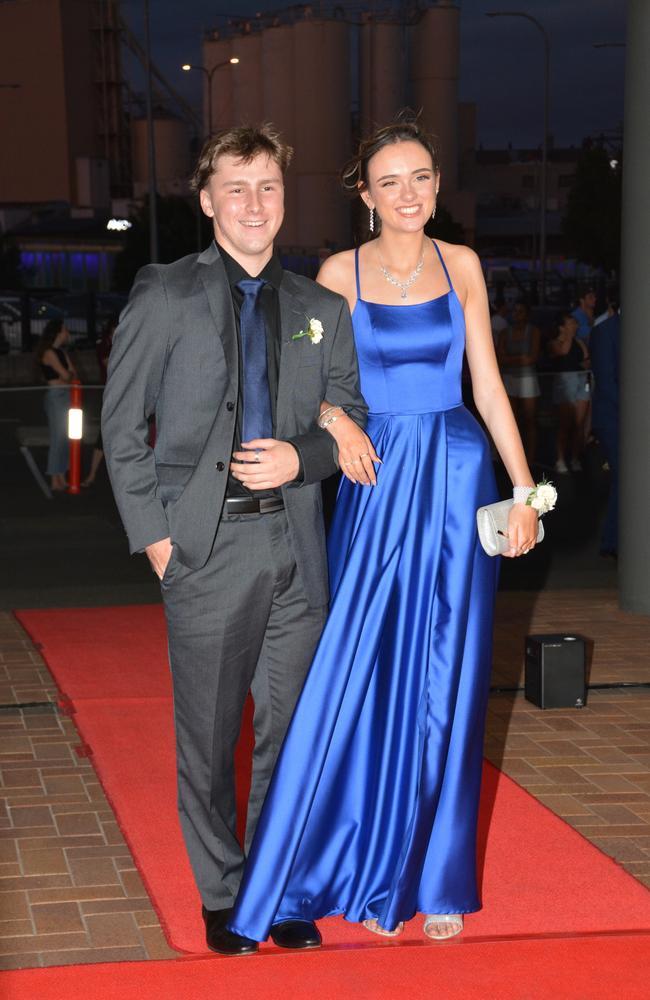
[(246, 204)]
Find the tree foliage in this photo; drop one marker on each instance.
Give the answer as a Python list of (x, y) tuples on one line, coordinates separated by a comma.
[(178, 235), (592, 224)]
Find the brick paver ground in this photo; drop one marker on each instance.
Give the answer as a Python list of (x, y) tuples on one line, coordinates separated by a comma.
[(69, 890)]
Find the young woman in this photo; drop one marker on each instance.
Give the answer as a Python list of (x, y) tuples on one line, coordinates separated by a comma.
[(57, 370), (373, 807), (571, 391), (103, 350), (517, 352)]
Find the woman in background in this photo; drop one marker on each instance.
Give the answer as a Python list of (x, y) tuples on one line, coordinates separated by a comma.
[(57, 370), (571, 391), (518, 351), (103, 350)]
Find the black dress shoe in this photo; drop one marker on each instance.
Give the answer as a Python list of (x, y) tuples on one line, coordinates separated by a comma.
[(297, 934), (220, 939)]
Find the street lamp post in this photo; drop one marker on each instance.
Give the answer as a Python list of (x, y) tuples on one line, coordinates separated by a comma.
[(544, 178), (233, 61)]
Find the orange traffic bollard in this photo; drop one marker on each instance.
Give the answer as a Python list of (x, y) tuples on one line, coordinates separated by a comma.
[(75, 432)]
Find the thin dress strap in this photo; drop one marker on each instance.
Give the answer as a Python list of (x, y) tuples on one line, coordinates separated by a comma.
[(444, 267), (356, 269)]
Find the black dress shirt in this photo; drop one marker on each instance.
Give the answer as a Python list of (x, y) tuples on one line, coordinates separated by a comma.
[(272, 275)]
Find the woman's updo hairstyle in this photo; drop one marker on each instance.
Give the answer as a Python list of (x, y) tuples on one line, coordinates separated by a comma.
[(405, 128)]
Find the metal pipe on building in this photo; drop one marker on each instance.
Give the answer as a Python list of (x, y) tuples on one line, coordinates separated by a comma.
[(634, 537)]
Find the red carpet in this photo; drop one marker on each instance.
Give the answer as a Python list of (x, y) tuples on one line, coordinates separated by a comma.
[(570, 969), (539, 876)]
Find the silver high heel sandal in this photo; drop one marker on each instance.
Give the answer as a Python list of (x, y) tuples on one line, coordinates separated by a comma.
[(453, 920), (372, 925)]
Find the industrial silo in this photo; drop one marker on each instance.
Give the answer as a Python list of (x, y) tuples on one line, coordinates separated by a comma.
[(217, 51), (294, 72), (434, 81), (382, 72), (279, 101), (172, 155), (236, 92), (248, 85), (321, 88)]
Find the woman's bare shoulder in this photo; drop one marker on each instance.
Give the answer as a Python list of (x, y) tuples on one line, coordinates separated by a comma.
[(458, 254), (337, 272)]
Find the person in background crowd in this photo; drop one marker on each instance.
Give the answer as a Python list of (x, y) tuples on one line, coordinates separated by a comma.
[(584, 314), (4, 343), (499, 318), (103, 349), (604, 352), (611, 305), (57, 370), (517, 352), (571, 390)]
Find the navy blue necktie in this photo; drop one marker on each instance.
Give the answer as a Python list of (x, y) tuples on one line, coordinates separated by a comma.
[(257, 420)]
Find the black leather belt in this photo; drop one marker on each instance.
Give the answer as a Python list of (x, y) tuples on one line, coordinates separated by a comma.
[(251, 505)]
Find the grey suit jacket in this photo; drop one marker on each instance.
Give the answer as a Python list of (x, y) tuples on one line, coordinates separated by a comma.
[(175, 355)]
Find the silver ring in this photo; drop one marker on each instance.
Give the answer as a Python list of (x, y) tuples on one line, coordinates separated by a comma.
[(257, 455), (366, 454)]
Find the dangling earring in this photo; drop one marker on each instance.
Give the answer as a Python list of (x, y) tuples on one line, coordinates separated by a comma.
[(371, 223), (433, 214)]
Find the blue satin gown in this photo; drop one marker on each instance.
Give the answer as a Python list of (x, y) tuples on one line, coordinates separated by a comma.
[(372, 809)]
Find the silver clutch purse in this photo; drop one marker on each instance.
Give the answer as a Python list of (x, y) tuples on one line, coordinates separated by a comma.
[(492, 524)]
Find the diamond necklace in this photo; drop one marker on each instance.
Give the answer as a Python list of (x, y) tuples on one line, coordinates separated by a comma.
[(402, 285)]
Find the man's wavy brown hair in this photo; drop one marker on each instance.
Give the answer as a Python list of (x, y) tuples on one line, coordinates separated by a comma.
[(244, 142)]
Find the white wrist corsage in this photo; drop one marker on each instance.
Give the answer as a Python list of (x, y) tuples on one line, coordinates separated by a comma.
[(314, 331), (541, 498)]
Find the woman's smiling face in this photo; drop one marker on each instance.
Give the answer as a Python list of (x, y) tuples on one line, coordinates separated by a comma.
[(402, 186)]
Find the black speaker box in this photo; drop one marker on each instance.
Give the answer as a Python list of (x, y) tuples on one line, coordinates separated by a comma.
[(555, 671)]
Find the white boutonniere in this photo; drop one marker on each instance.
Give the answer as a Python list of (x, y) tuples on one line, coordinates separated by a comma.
[(543, 498), (314, 331)]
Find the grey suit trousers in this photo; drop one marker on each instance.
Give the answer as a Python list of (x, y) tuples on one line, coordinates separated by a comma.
[(241, 622)]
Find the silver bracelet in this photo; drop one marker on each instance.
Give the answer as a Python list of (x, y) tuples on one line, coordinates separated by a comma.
[(323, 423), (330, 420), (520, 494)]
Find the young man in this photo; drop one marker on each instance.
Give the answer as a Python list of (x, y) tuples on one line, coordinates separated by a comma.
[(584, 313), (227, 506)]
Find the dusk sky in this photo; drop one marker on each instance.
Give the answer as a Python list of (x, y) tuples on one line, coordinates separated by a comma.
[(501, 60)]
